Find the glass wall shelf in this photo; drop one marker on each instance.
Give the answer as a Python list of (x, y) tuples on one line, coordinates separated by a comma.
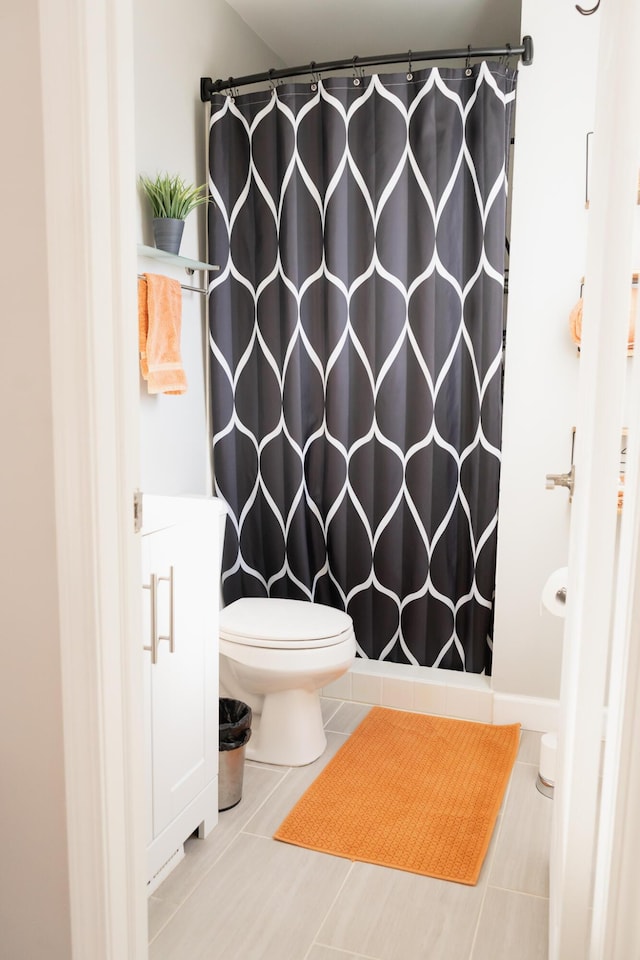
[(164, 257)]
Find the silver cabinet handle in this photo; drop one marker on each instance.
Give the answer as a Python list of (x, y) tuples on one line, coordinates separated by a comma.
[(152, 587), (171, 635)]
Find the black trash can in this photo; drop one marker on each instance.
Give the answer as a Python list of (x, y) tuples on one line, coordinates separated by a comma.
[(234, 734)]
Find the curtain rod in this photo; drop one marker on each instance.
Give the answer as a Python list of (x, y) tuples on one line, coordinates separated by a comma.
[(209, 87)]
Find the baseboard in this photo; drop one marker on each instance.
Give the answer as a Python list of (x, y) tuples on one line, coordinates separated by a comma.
[(534, 713), (448, 693)]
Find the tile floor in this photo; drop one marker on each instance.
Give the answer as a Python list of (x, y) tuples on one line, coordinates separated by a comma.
[(239, 895)]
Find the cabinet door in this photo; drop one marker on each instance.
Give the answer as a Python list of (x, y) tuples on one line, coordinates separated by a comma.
[(184, 678)]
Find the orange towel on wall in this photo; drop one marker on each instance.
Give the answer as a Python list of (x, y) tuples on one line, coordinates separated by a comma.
[(575, 320), (159, 325)]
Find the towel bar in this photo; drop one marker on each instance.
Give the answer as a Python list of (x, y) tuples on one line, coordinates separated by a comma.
[(184, 286)]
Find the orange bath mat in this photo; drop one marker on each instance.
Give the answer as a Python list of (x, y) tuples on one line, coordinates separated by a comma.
[(409, 791)]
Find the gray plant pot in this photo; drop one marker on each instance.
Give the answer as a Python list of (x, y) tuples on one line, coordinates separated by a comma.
[(167, 234)]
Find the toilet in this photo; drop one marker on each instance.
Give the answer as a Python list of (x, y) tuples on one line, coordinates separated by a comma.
[(276, 655)]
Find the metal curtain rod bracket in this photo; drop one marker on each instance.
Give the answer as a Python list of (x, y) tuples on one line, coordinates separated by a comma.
[(586, 12), (209, 87)]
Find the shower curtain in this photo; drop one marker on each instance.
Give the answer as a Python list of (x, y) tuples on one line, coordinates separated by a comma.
[(355, 332)]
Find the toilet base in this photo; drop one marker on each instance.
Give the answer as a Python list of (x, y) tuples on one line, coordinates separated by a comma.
[(279, 740)]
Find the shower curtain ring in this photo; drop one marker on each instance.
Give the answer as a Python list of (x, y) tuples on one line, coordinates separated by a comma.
[(409, 72), (358, 72), (467, 69)]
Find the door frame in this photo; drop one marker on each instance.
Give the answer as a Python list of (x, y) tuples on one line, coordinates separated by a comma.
[(86, 52), (580, 880), (87, 63)]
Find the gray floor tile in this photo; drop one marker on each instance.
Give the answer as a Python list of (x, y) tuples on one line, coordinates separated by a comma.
[(258, 783), (348, 717), (267, 820), (393, 915), (261, 900), (301, 905), (512, 925), (329, 708), (529, 751), (159, 913), (521, 861)]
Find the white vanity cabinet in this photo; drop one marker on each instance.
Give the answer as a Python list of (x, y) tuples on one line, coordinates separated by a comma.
[(180, 602)]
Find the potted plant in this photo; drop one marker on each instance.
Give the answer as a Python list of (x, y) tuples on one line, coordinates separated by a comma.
[(171, 199)]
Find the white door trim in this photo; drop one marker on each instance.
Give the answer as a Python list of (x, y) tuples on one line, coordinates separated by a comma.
[(603, 368), (87, 83), (616, 920)]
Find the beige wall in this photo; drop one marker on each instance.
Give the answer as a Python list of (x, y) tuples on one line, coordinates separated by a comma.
[(34, 897), (34, 879)]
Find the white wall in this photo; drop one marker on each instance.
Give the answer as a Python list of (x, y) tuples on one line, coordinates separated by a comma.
[(34, 894), (174, 46), (555, 110)]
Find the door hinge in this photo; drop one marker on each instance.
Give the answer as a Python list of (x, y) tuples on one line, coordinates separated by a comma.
[(137, 511)]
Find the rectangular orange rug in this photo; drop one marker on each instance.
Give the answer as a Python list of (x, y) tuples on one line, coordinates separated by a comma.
[(410, 791)]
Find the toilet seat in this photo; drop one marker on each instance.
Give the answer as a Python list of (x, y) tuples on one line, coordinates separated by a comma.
[(274, 623)]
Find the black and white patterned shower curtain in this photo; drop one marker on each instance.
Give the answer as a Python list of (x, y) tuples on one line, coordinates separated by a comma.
[(356, 351)]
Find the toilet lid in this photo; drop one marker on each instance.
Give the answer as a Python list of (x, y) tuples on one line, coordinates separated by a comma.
[(272, 622)]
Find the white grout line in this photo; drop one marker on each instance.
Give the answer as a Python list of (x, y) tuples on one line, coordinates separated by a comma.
[(520, 893), (315, 940), (167, 920)]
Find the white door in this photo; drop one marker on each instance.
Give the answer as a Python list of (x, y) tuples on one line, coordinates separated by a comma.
[(594, 534)]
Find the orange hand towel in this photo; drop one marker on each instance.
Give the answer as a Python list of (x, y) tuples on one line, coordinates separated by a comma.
[(575, 320), (159, 323)]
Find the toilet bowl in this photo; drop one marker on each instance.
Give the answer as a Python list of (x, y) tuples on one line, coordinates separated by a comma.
[(276, 655)]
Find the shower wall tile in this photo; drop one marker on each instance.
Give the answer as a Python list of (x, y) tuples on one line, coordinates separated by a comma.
[(340, 689), (441, 692), (397, 693), (430, 698), (469, 704), (366, 689)]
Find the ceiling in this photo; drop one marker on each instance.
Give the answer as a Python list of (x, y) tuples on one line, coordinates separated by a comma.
[(299, 31)]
